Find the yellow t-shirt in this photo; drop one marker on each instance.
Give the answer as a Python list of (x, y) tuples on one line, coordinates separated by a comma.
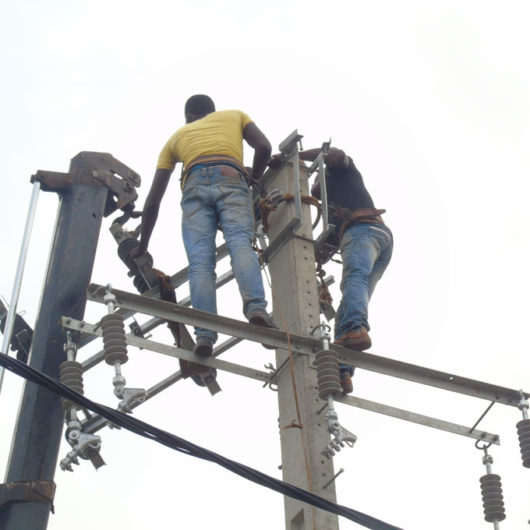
[(218, 133)]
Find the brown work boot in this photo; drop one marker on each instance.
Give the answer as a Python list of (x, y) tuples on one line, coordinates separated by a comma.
[(355, 340), (345, 382)]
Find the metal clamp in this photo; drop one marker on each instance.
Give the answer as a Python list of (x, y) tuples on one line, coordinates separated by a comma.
[(86, 444), (340, 435), (130, 398)]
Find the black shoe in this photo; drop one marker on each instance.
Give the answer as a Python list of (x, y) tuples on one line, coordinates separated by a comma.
[(203, 347), (199, 378), (262, 318)]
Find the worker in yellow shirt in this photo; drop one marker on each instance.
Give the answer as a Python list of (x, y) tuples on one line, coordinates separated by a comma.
[(215, 194)]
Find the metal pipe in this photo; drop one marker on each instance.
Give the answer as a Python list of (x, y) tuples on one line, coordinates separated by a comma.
[(11, 313)]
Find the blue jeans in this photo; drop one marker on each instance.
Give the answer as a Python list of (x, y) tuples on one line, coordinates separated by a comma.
[(211, 200), (366, 249)]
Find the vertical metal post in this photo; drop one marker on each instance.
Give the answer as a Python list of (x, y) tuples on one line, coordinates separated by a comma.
[(303, 430), (37, 436), (12, 311)]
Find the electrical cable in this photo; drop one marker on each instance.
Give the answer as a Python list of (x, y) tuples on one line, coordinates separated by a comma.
[(179, 444)]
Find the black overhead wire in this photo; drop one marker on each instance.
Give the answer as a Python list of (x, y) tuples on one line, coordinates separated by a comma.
[(179, 444)]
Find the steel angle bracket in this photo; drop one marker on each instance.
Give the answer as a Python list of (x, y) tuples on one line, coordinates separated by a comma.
[(289, 150), (308, 345), (172, 351), (420, 419)]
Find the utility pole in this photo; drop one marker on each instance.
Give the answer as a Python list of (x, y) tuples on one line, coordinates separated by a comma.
[(85, 197), (303, 430)]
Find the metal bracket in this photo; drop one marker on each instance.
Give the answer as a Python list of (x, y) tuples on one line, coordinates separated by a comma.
[(340, 435), (87, 447), (288, 149), (27, 491), (130, 398), (120, 179)]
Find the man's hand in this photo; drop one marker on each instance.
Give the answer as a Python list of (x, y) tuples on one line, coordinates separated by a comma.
[(276, 161)]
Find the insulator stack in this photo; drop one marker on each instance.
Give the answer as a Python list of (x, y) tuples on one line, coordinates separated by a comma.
[(124, 252), (492, 499), (523, 431), (114, 342), (328, 376), (71, 375)]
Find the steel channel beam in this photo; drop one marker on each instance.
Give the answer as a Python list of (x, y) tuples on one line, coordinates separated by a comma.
[(172, 351), (148, 326), (308, 345), (96, 423), (419, 419)]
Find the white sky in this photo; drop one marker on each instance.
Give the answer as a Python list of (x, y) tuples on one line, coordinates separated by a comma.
[(431, 101)]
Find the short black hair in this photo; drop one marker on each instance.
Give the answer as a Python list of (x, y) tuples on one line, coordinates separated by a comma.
[(199, 105)]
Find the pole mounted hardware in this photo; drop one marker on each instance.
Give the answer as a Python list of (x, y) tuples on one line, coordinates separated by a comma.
[(101, 169), (490, 485), (84, 445), (328, 380), (523, 431), (289, 151), (115, 348)]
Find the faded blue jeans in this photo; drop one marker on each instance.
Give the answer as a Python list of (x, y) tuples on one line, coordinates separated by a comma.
[(211, 201), (366, 249)]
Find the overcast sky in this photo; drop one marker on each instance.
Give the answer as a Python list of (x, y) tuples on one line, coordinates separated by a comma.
[(431, 101)]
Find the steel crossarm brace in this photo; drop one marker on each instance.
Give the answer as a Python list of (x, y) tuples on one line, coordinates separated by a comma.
[(308, 345), (151, 324), (419, 418), (178, 279), (172, 351)]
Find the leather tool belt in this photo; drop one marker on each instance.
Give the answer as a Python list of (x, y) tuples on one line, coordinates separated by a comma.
[(361, 215), (230, 167)]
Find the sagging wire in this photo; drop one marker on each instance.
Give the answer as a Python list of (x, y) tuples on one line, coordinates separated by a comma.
[(179, 444)]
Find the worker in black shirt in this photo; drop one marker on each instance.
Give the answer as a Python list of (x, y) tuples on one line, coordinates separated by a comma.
[(365, 244)]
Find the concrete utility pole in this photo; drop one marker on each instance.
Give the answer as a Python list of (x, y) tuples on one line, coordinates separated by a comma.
[(303, 431)]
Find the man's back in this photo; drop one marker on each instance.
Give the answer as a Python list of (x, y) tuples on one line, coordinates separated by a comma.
[(218, 133)]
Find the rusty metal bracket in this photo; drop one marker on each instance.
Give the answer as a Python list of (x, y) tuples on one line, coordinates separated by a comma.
[(27, 491), (107, 169), (102, 168)]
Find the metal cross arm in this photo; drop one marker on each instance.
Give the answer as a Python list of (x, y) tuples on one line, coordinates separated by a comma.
[(308, 345), (419, 419), (428, 376), (194, 317), (172, 351)]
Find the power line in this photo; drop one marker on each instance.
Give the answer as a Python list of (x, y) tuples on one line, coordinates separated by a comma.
[(179, 444)]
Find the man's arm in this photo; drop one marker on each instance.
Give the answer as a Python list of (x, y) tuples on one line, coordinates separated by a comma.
[(335, 158), (262, 149), (151, 208)]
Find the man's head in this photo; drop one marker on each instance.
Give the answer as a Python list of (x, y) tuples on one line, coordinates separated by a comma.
[(197, 107)]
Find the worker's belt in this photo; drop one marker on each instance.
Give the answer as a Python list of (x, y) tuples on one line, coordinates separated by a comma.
[(230, 167), (226, 171), (361, 215)]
